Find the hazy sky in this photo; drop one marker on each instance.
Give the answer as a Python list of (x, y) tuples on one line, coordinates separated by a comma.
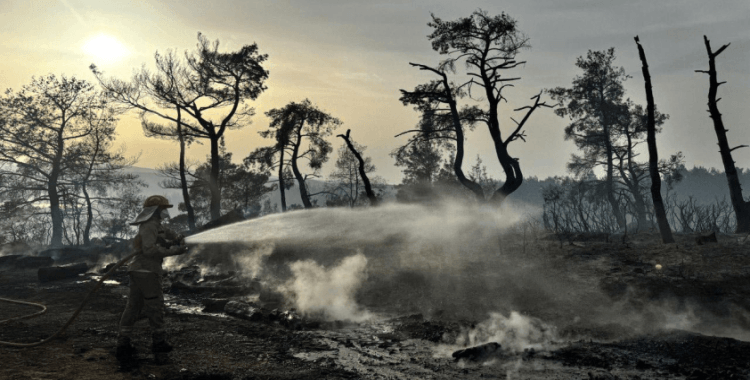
[(351, 57)]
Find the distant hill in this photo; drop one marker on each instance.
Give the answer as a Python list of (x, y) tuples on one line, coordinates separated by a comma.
[(704, 185), (153, 179)]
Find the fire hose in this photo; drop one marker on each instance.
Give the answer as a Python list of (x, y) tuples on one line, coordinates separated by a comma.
[(44, 308)]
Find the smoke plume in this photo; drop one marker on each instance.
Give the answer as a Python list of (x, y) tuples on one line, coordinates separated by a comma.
[(515, 333), (315, 290)]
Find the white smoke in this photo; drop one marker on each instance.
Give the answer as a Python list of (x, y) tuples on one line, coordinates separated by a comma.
[(251, 261), (103, 261), (514, 333), (315, 290)]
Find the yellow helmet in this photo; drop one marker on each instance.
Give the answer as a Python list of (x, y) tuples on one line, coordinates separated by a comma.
[(156, 200)]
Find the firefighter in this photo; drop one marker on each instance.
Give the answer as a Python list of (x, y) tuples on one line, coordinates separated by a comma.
[(145, 273)]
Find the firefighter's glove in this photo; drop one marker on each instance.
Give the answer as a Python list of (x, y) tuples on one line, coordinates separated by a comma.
[(177, 250)]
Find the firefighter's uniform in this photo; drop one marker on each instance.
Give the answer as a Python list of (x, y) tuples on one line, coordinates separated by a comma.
[(145, 273)]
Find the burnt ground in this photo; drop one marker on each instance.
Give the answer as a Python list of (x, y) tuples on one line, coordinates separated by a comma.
[(606, 312)]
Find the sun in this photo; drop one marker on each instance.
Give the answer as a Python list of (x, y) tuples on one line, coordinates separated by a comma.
[(104, 48)]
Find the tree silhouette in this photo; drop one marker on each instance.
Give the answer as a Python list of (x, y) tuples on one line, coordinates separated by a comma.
[(443, 126), (487, 45), (653, 158), (299, 130), (632, 176), (242, 188), (350, 159), (98, 171), (208, 83), (595, 105), (39, 125), (741, 207)]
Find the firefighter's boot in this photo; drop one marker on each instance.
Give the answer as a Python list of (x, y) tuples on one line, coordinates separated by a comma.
[(159, 343), (125, 350)]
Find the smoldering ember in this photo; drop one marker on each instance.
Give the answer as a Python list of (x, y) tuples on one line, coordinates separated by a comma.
[(267, 261)]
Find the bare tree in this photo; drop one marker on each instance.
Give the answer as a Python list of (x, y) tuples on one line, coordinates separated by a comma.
[(488, 46), (363, 167), (741, 207), (38, 126), (99, 171), (207, 84), (653, 156)]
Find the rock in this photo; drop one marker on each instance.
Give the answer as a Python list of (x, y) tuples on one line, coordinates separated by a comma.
[(478, 353), (30, 262), (243, 311), (47, 274), (214, 305)]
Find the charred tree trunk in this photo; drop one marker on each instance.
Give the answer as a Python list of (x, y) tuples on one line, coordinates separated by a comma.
[(459, 160), (183, 179), (213, 182), (653, 155), (54, 197), (475, 188), (609, 180), (84, 188), (640, 209), (741, 207), (510, 165), (633, 183), (281, 179), (295, 169), (512, 169), (368, 188), (89, 216)]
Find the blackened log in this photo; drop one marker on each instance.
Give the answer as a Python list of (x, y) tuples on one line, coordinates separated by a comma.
[(9, 260), (243, 311), (478, 353), (29, 262), (48, 274), (213, 305)]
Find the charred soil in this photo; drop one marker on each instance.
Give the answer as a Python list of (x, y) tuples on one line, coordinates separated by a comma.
[(604, 310)]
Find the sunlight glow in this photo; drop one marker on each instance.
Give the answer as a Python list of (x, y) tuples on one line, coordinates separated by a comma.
[(104, 48)]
